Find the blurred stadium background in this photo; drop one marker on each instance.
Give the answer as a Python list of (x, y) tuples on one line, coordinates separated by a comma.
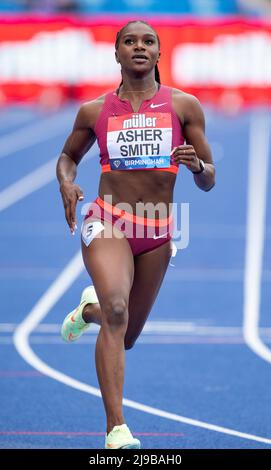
[(57, 50)]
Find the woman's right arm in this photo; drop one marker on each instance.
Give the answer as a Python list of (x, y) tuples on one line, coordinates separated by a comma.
[(76, 146)]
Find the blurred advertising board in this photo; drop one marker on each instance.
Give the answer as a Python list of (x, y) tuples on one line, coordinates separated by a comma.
[(47, 59)]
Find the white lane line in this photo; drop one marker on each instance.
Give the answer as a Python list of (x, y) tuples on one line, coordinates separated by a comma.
[(33, 181), (259, 147), (155, 328), (143, 340), (39, 312), (28, 184), (35, 133)]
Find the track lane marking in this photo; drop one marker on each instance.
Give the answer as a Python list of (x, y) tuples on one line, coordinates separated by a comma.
[(21, 342), (259, 148)]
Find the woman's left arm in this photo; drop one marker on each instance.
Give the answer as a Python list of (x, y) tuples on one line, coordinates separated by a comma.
[(197, 147)]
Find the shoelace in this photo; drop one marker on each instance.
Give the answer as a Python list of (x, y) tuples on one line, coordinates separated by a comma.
[(114, 431), (123, 431)]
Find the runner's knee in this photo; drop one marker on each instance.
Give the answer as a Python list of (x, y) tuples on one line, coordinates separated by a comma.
[(116, 312)]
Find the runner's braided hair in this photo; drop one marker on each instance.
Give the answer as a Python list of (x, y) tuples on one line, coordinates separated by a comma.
[(119, 33)]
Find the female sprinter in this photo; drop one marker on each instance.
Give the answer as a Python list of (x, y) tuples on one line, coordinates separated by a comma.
[(140, 128)]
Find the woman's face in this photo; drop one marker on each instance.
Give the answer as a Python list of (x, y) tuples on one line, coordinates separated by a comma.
[(138, 49)]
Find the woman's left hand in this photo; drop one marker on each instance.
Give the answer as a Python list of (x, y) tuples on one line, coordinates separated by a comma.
[(186, 155)]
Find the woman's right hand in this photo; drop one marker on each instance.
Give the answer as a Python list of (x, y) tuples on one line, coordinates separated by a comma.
[(71, 193)]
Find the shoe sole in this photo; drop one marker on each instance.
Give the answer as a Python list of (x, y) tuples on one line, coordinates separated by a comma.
[(132, 446), (84, 295)]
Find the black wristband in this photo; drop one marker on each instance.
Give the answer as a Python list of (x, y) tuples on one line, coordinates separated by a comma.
[(202, 168)]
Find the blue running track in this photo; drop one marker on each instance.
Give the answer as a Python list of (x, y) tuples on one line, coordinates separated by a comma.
[(199, 376)]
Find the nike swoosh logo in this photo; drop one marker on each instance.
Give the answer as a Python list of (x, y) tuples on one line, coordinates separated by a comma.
[(157, 105), (159, 236), (73, 315), (73, 319)]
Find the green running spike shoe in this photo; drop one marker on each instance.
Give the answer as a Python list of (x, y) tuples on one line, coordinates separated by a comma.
[(74, 325), (121, 438)]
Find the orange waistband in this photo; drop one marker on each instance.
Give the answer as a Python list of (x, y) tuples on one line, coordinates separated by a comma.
[(172, 169), (133, 218)]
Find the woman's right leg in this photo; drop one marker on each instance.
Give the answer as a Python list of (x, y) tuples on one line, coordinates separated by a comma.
[(110, 263)]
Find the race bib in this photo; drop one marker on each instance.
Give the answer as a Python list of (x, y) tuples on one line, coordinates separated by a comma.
[(89, 230), (137, 141)]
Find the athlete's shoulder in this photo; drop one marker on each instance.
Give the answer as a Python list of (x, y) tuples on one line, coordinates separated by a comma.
[(187, 106), (185, 98), (89, 112), (89, 107)]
